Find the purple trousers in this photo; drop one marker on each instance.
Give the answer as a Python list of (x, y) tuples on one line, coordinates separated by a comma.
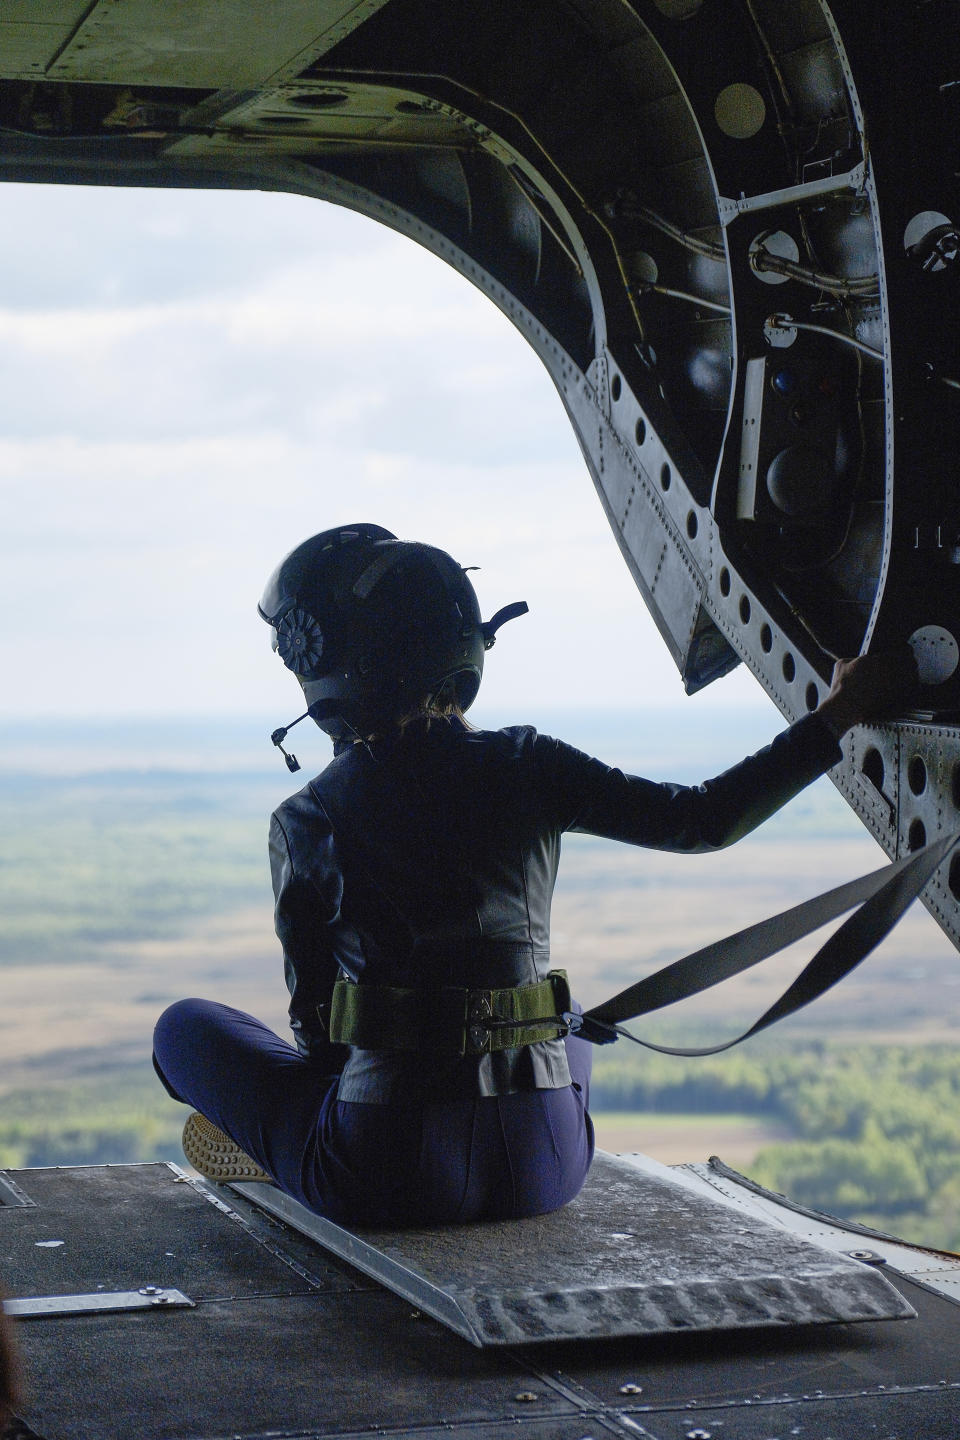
[(490, 1157)]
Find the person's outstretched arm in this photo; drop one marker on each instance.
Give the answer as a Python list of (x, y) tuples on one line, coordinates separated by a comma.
[(710, 816)]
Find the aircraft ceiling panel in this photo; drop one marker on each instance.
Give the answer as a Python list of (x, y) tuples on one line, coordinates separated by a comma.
[(292, 119), (205, 43), (31, 35)]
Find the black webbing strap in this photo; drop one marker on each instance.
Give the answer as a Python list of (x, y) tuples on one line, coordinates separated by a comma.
[(882, 898)]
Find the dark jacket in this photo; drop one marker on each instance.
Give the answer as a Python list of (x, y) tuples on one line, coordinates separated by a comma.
[(431, 861)]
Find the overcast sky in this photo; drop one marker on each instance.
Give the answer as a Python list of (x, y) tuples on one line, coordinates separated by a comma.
[(192, 383)]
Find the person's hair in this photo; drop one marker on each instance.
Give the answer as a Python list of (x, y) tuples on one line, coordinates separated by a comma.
[(442, 704)]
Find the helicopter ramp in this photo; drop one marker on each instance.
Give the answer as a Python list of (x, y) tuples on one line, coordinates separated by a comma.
[(637, 1253), (163, 1310)]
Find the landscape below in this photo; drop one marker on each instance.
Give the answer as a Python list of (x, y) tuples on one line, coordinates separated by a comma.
[(125, 888)]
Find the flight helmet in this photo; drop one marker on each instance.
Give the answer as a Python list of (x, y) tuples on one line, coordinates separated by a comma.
[(371, 626)]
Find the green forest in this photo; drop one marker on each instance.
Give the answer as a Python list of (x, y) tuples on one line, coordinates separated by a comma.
[(877, 1127)]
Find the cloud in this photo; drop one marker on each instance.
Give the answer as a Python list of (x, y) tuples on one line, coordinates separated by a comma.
[(71, 247), (193, 383), (362, 345)]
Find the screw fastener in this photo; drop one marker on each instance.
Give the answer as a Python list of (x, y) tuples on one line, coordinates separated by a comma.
[(867, 1257)]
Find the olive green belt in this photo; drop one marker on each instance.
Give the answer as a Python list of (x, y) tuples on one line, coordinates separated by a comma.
[(449, 1020)]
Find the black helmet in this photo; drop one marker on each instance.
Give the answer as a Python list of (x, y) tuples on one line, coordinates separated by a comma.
[(372, 625)]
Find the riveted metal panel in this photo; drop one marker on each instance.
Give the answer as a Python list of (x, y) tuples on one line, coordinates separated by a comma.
[(26, 50), (287, 1339), (635, 1254), (215, 43)]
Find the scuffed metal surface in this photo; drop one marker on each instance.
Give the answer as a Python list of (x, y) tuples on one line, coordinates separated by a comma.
[(286, 1339), (636, 1253)]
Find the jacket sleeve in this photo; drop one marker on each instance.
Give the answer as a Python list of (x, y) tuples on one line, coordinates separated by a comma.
[(691, 818), (300, 917)]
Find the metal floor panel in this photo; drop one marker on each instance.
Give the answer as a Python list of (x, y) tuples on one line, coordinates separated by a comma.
[(282, 1337), (938, 1270), (321, 1365), (635, 1254), (120, 1227), (770, 1368), (286, 1339)]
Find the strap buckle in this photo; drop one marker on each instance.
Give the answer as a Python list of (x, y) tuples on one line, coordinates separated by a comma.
[(589, 1029), (479, 1022)]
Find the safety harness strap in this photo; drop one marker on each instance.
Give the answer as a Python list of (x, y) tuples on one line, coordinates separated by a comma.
[(450, 1020), (882, 897)]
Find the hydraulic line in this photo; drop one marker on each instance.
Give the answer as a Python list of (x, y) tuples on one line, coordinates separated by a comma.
[(784, 322), (684, 295), (762, 259), (864, 286), (516, 176), (634, 210)]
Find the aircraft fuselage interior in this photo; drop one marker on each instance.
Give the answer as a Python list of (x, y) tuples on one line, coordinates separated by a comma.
[(728, 230)]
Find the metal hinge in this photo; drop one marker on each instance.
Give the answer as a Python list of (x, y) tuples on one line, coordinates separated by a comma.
[(148, 1297)]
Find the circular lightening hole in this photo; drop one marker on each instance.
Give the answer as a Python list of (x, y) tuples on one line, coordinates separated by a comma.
[(917, 775), (936, 652), (665, 477), (917, 835), (772, 242), (411, 107), (920, 239), (317, 99), (789, 668), (745, 608), (812, 696), (872, 768), (643, 268), (615, 387), (692, 524), (954, 877), (766, 639), (725, 585), (640, 431), (740, 111)]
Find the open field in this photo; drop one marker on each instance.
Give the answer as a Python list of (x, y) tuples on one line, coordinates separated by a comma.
[(676, 1139), (606, 924), (617, 914), (122, 891)]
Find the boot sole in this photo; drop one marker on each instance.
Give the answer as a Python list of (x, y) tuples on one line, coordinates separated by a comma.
[(211, 1152)]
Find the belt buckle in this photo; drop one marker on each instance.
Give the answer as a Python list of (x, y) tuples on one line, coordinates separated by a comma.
[(479, 1009)]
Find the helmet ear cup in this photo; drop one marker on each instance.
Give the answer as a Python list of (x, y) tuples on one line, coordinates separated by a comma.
[(300, 642)]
